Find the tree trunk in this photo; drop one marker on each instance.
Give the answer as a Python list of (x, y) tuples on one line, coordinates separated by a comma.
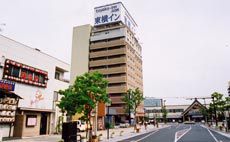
[(90, 129), (87, 130)]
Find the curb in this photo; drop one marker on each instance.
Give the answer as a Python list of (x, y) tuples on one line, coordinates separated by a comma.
[(217, 131)]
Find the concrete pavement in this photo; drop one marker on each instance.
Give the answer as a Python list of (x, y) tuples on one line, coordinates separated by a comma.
[(127, 133), (181, 133)]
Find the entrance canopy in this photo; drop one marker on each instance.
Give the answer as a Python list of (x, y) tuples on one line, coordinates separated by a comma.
[(194, 110), (4, 93)]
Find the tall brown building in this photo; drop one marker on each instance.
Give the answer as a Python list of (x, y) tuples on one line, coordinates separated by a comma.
[(112, 48)]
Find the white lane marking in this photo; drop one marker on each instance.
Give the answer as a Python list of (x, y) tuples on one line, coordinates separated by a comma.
[(185, 132), (147, 135), (212, 135), (177, 126)]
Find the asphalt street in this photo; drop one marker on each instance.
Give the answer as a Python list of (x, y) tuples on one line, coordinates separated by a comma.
[(181, 133)]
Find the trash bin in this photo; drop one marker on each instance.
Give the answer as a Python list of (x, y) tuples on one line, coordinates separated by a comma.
[(69, 131)]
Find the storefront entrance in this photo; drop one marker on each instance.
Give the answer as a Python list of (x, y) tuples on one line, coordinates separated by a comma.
[(43, 124)]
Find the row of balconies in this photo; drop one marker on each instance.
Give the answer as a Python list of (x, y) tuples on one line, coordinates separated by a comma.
[(103, 62), (112, 43), (114, 70), (119, 79), (117, 89), (107, 53)]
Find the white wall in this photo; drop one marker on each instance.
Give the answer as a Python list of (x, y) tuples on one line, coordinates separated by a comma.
[(13, 50), (120, 32), (10, 49)]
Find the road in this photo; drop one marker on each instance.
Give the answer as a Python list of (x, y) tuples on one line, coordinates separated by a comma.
[(181, 133)]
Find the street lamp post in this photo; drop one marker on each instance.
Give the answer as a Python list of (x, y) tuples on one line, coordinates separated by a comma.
[(129, 113)]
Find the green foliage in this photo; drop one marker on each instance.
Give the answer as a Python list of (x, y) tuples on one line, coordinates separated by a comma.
[(227, 103), (84, 94), (204, 111), (109, 125), (133, 99), (218, 103), (164, 113)]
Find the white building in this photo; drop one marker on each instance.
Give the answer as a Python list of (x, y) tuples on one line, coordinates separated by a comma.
[(37, 77)]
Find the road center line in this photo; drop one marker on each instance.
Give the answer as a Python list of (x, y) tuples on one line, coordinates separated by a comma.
[(186, 131), (147, 135)]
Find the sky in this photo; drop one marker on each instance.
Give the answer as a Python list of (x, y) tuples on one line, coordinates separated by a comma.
[(185, 44)]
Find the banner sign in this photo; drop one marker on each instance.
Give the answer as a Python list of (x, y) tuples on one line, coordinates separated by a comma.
[(7, 85), (113, 13)]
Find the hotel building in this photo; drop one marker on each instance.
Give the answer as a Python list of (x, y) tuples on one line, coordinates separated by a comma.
[(111, 47)]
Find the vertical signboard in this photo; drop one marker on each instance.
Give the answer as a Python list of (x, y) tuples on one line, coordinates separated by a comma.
[(7, 85), (112, 13)]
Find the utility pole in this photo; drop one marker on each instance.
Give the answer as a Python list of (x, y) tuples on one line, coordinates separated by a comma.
[(129, 112), (206, 119)]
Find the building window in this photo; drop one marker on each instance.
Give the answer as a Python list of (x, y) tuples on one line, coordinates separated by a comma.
[(29, 75), (55, 96), (36, 77), (14, 71), (57, 75), (41, 79)]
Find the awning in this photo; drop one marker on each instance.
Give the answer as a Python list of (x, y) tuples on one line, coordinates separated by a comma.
[(36, 109), (8, 94)]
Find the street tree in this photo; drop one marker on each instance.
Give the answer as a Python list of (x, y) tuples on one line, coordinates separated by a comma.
[(164, 113), (133, 99), (82, 97), (218, 106)]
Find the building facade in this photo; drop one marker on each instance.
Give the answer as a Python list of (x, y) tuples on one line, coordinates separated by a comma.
[(175, 113), (37, 78), (112, 48)]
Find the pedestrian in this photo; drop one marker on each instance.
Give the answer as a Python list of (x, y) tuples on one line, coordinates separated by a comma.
[(145, 125)]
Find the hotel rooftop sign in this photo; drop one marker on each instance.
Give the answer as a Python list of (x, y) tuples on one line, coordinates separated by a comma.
[(112, 13)]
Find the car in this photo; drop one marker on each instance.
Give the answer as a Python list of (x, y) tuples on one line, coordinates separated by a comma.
[(189, 122), (124, 125), (81, 126)]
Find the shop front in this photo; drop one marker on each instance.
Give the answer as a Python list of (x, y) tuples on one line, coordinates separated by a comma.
[(8, 106), (32, 122)]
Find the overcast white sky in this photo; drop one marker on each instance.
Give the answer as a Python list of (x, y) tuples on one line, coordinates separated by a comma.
[(186, 44)]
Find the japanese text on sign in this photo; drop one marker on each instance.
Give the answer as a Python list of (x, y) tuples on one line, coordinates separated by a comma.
[(6, 85), (107, 14)]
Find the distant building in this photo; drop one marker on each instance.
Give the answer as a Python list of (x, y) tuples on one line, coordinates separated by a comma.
[(112, 48), (152, 102), (176, 113), (37, 77)]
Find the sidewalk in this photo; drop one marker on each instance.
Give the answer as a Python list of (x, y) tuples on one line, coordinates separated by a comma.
[(127, 133)]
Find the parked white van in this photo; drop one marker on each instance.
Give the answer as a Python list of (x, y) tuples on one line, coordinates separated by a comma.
[(81, 126)]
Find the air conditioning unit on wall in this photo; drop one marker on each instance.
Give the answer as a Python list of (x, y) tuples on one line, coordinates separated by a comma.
[(1, 65)]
